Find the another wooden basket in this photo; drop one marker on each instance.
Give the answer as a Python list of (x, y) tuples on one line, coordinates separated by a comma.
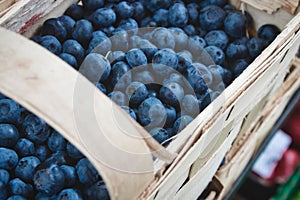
[(54, 91)]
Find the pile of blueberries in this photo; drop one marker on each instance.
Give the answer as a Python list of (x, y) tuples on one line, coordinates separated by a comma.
[(36, 162), (162, 61)]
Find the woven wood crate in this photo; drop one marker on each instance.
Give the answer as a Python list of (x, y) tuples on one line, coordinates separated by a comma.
[(184, 169)]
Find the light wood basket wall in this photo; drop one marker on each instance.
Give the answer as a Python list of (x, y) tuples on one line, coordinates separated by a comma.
[(185, 168)]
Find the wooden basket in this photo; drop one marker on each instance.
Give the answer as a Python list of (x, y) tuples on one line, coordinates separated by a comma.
[(46, 86)]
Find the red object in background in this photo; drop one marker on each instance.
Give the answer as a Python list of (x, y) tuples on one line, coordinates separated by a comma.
[(292, 127), (286, 166)]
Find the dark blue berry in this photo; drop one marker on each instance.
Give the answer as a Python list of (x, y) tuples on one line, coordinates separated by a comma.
[(101, 87), (190, 30), (75, 49), (151, 113), (190, 105), (193, 12), (116, 56), (103, 17), (83, 31), (3, 189), (163, 38), (75, 11), (4, 176), (51, 43), (9, 135), (178, 15), (98, 191), (235, 24), (92, 4), (70, 59), (68, 23), (136, 57), (268, 33), (25, 147), (129, 25), (196, 44), (124, 10), (41, 152), (138, 10), (129, 111), (70, 175), (136, 92), (99, 44), (56, 142), (159, 134), (217, 38), (171, 94), (239, 66), (55, 28), (120, 75), (69, 194), (180, 37), (73, 152), (236, 51), (86, 172), (154, 5), (171, 116), (211, 17), (49, 180), (58, 158), (35, 129), (255, 46), (161, 17), (18, 187), (164, 62), (216, 54), (25, 168), (181, 123)]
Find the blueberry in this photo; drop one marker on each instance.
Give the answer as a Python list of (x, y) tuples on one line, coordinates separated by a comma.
[(75, 11), (70, 175), (193, 12), (9, 135), (86, 172), (56, 142), (236, 51), (211, 17), (69, 194), (154, 5), (268, 32), (148, 48), (118, 97), (148, 22), (163, 38), (73, 152), (42, 196), (92, 4), (171, 94), (255, 46), (171, 116), (16, 197), (99, 44), (68, 23), (144, 76), (195, 77), (25, 147), (98, 191), (161, 17), (164, 62), (101, 87), (239, 66), (99, 33), (4, 176), (136, 57), (220, 3), (190, 30), (235, 24), (129, 111), (180, 37), (3, 189), (151, 112), (242, 40), (136, 92), (181, 123), (129, 25), (103, 17), (51, 43), (70, 59), (216, 54), (120, 75), (184, 61), (58, 158), (41, 152), (35, 129), (49, 180), (83, 31), (55, 28), (119, 40), (190, 105), (124, 10), (220, 75), (178, 15), (217, 38), (36, 38), (116, 56), (196, 44), (204, 99), (159, 134), (95, 67), (18, 187), (9, 111), (25, 168), (138, 10), (75, 49)]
